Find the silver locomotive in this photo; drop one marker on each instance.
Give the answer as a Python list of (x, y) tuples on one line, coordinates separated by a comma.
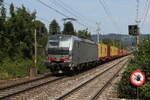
[(69, 53)]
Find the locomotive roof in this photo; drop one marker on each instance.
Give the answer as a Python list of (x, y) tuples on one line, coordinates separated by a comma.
[(71, 36)]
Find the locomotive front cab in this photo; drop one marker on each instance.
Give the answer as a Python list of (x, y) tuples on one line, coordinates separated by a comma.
[(59, 52)]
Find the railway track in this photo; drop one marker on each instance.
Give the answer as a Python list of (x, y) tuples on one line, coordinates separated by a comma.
[(12, 90), (101, 90), (77, 89), (16, 90)]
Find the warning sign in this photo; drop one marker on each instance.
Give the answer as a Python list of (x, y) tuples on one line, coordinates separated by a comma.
[(137, 78)]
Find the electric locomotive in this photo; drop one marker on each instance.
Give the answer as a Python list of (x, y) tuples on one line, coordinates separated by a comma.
[(68, 53)]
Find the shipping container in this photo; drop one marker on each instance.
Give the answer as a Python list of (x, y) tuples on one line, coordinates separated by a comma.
[(113, 51), (102, 50)]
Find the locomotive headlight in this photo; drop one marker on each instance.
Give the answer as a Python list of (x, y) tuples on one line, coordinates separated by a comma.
[(68, 59)]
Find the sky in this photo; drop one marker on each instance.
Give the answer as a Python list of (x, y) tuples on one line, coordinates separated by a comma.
[(115, 19)]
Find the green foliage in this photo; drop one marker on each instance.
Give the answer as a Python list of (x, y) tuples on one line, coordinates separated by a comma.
[(14, 68), (125, 88), (19, 67), (2, 16), (17, 42), (42, 33), (140, 61), (3, 38), (12, 11), (1, 2), (68, 28), (107, 41), (84, 34), (20, 32), (54, 28), (142, 56), (145, 91), (40, 65)]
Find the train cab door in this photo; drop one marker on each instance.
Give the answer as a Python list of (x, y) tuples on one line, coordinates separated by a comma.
[(76, 53)]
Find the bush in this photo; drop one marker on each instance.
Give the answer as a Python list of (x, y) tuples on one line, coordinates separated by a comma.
[(14, 68), (19, 68), (125, 88), (145, 91), (141, 61), (142, 56), (40, 65)]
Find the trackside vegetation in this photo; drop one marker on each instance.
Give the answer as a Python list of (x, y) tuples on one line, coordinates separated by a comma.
[(17, 40), (141, 61), (19, 68)]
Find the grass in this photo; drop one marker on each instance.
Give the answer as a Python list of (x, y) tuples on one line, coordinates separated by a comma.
[(19, 68)]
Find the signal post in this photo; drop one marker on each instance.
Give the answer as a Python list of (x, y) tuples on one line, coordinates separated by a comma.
[(134, 30)]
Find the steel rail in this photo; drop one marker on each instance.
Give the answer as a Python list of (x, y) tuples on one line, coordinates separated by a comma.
[(96, 96), (85, 83), (24, 82), (8, 94)]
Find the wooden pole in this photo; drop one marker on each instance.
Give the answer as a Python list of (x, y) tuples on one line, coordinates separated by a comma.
[(35, 49), (137, 93), (33, 69)]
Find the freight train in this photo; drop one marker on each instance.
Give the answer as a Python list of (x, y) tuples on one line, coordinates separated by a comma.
[(67, 53)]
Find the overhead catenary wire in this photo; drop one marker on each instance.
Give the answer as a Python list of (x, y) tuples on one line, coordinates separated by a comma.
[(59, 12), (76, 12), (56, 3), (52, 8), (60, 5), (109, 15), (70, 8), (111, 18), (72, 12), (146, 13)]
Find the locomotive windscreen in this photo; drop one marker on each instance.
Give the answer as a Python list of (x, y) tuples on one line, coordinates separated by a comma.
[(59, 41), (53, 43), (58, 51)]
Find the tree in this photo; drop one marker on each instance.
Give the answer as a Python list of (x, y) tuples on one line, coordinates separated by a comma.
[(20, 31), (68, 29), (12, 11), (84, 34), (2, 15), (17, 41), (42, 34), (3, 39), (54, 28), (1, 2)]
